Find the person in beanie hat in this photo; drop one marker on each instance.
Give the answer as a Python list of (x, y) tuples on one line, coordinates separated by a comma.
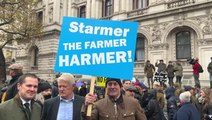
[(187, 110), (114, 79), (113, 105), (44, 92), (44, 85)]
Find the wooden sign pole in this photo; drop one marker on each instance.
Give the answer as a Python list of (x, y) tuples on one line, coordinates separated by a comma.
[(89, 109)]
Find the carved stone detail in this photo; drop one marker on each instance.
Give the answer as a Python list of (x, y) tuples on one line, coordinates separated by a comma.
[(207, 28), (147, 28), (159, 46), (50, 14), (156, 31), (205, 42), (156, 34), (205, 22)]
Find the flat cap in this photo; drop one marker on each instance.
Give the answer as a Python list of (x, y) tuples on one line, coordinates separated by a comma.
[(131, 88), (16, 66)]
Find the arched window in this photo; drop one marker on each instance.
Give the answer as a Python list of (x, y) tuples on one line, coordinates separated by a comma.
[(140, 49), (183, 45), (34, 56)]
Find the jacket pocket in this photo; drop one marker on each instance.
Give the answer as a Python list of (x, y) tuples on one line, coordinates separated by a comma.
[(128, 116), (104, 116)]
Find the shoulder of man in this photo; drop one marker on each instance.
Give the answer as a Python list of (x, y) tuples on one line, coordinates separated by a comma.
[(129, 99), (52, 100), (7, 104)]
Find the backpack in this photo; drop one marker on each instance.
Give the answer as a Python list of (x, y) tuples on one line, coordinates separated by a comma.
[(200, 69)]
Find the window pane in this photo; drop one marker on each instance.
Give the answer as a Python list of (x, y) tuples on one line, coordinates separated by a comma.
[(108, 7), (82, 12), (183, 45), (40, 17), (35, 57), (140, 49)]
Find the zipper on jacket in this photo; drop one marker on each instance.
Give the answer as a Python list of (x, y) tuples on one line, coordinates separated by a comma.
[(115, 107)]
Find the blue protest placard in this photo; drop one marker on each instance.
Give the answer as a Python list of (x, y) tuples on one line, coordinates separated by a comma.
[(97, 47)]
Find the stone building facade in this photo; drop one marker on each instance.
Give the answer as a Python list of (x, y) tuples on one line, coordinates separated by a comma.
[(168, 30)]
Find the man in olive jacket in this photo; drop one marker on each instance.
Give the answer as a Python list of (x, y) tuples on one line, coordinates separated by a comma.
[(22, 106), (115, 106)]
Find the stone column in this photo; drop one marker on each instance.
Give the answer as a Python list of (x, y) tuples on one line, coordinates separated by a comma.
[(56, 10), (69, 7), (116, 6), (98, 8), (65, 8), (88, 9), (74, 10), (129, 5), (93, 8), (46, 16), (123, 5)]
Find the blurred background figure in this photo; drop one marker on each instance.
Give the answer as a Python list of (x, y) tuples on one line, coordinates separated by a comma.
[(15, 71), (196, 72), (178, 72), (192, 91), (125, 85), (83, 90), (131, 91), (55, 90), (161, 74), (178, 89), (161, 66), (160, 97), (172, 102), (204, 103), (187, 110), (152, 109), (149, 70), (209, 68), (170, 73)]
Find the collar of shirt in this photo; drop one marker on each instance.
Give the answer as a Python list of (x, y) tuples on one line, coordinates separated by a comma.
[(24, 101), (65, 100)]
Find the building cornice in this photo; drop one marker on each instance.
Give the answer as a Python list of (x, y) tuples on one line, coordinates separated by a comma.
[(171, 11)]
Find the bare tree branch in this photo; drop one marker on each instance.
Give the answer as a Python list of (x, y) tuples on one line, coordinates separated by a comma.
[(16, 33), (7, 22), (3, 3), (8, 41)]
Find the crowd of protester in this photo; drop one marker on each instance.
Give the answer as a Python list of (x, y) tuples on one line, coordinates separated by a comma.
[(28, 97)]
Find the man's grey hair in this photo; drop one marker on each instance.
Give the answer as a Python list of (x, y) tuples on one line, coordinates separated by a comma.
[(67, 77)]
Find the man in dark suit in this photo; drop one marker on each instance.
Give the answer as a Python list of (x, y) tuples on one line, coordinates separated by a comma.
[(66, 106)]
